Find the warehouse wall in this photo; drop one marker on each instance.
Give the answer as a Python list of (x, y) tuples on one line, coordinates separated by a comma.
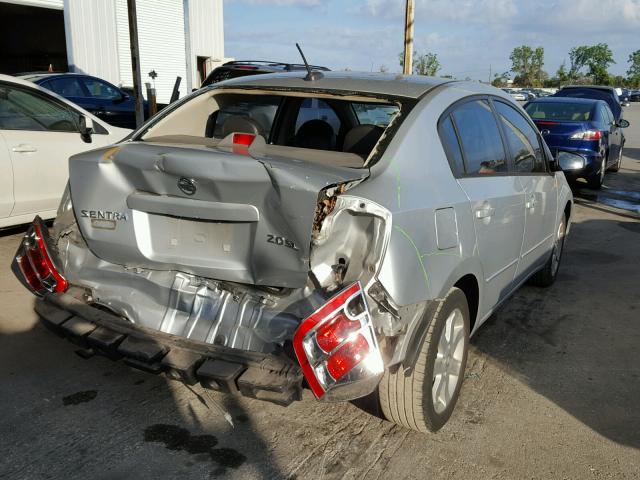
[(206, 27), (162, 44), (90, 30)]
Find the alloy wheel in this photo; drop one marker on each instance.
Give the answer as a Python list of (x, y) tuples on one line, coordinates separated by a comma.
[(448, 362)]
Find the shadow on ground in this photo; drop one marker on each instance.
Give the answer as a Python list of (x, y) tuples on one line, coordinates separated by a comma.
[(577, 342)]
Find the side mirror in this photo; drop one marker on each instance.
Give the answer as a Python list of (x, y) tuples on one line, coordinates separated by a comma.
[(123, 96), (86, 128), (569, 161), (622, 123)]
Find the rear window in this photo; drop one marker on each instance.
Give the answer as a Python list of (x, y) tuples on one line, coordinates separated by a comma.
[(351, 127), (260, 110), (568, 111)]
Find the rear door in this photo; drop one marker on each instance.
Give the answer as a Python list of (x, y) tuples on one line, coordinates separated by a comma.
[(539, 185), (6, 174), (496, 196), (40, 133), (615, 134)]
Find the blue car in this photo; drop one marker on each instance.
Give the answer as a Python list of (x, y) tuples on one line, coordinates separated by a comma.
[(104, 100), (583, 126)]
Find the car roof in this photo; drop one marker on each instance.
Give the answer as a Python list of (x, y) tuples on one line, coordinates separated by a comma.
[(591, 87), (32, 77), (269, 65), (409, 86), (566, 100)]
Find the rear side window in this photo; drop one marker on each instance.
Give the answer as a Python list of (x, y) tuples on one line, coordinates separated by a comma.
[(521, 138), (374, 113), (451, 146), (480, 139)]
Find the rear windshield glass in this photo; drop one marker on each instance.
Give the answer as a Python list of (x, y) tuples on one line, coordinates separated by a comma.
[(331, 124), (578, 112)]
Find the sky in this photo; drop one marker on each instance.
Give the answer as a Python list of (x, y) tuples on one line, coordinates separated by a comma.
[(470, 36)]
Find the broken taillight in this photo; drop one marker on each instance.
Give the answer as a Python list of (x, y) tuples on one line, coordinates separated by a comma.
[(337, 348), (35, 264)]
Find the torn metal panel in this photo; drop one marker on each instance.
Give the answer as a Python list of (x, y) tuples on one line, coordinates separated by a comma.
[(251, 220)]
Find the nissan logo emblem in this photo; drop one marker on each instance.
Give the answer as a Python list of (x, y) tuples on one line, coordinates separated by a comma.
[(187, 185)]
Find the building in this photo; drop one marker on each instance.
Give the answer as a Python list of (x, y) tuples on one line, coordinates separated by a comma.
[(177, 38)]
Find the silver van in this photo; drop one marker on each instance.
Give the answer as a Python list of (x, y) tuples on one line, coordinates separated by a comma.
[(242, 241)]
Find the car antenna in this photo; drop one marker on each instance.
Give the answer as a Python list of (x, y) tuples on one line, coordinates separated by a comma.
[(311, 74)]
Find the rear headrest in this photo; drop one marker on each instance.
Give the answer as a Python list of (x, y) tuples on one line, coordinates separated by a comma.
[(316, 134), (240, 124), (362, 138)]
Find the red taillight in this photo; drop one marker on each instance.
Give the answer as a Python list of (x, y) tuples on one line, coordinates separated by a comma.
[(35, 263), (541, 122), (587, 135), (61, 282), (333, 333), (347, 357), (245, 139), (592, 135), (338, 341), (29, 274)]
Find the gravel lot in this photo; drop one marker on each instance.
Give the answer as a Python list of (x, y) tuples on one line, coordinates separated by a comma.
[(552, 388)]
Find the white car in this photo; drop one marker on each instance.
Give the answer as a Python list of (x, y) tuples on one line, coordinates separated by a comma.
[(39, 131)]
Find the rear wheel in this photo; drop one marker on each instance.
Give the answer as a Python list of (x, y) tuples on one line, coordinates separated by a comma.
[(596, 180), (424, 400), (616, 166), (547, 275)]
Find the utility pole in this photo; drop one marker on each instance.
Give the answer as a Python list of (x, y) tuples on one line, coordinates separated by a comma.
[(135, 61), (408, 39), (489, 74)]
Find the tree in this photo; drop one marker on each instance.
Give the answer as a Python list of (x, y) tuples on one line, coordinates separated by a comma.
[(562, 75), (383, 69), (527, 64), (596, 58), (634, 68), (425, 64), (500, 80)]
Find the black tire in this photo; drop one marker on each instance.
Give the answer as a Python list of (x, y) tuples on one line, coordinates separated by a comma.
[(596, 180), (407, 400), (616, 166), (546, 276)]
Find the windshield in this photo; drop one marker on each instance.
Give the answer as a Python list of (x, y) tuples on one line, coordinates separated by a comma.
[(576, 112)]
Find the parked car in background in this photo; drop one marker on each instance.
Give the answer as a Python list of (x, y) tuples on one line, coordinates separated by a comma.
[(634, 96), (243, 68), (39, 131), (103, 99), (597, 92), (582, 126), (516, 95), (624, 97), (256, 252)]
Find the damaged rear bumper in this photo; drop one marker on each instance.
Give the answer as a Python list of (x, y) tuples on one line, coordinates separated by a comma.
[(270, 377)]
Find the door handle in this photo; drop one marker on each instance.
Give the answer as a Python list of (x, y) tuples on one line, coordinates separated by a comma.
[(23, 148), (484, 212)]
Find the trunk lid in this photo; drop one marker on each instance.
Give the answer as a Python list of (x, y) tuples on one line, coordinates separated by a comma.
[(201, 210), (557, 133)]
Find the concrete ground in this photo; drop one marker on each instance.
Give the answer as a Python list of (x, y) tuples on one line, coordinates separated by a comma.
[(552, 388)]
